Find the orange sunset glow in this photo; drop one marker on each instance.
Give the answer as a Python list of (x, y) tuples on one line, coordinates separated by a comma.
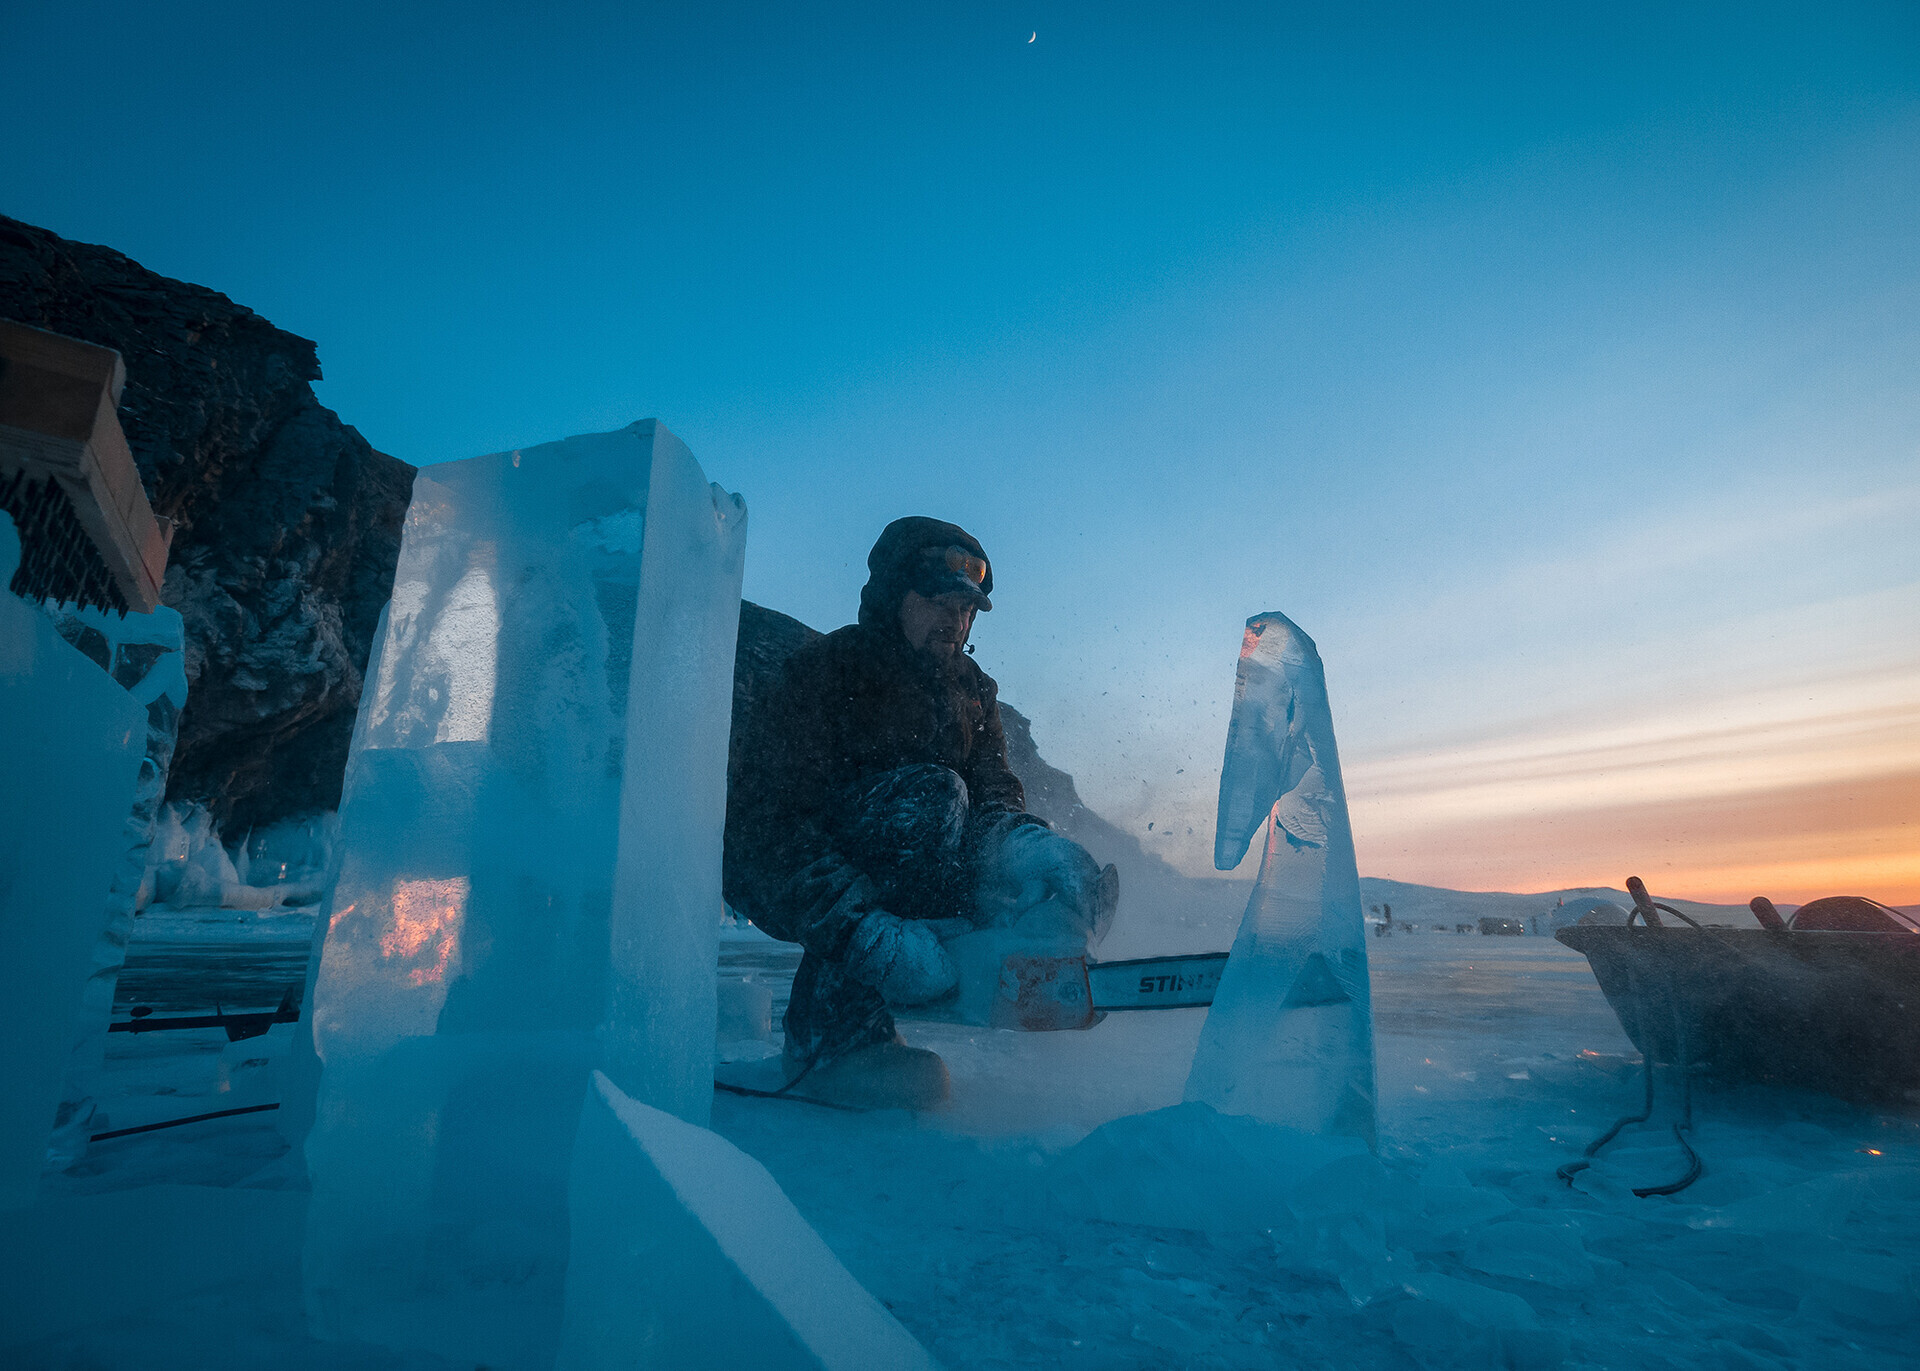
[(1770, 794), (427, 916)]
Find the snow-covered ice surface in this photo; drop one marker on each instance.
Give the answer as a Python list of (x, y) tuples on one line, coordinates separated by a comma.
[(1498, 1060), (1290, 1036)]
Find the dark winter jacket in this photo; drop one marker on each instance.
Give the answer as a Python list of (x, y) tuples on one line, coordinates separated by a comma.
[(851, 706)]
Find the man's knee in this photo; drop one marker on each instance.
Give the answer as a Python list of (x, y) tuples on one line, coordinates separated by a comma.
[(912, 809), (924, 788), (907, 826)]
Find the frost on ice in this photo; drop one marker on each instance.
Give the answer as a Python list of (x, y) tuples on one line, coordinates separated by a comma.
[(529, 883), (1290, 1036)]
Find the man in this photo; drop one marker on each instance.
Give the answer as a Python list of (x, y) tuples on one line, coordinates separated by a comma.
[(878, 813)]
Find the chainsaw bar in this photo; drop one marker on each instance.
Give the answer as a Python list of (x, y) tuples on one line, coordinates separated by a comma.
[(1156, 982)]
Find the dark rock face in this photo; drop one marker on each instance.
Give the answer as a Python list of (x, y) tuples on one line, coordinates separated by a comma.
[(287, 522)]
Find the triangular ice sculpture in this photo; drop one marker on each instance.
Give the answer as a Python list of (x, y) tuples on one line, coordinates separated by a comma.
[(530, 884), (1290, 1036)]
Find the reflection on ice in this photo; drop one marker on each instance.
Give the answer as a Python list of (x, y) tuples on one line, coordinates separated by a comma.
[(426, 919)]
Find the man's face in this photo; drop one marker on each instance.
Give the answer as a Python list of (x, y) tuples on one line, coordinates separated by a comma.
[(937, 626)]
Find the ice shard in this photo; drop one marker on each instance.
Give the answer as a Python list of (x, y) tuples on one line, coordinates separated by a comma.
[(146, 656), (529, 882), (1290, 1036), (687, 1253)]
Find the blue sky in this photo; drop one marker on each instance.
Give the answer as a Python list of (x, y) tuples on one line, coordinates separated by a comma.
[(1554, 366)]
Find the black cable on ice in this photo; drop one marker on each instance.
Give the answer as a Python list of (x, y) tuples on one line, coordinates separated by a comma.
[(175, 1123)]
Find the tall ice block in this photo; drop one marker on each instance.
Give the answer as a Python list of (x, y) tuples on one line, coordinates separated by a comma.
[(1290, 1036), (529, 882)]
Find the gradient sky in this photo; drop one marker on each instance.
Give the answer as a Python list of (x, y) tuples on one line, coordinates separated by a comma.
[(1556, 367)]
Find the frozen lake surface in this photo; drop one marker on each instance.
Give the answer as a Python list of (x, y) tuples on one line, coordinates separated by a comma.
[(1498, 1061)]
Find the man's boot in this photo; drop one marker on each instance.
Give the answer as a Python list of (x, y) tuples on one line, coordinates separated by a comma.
[(885, 1075)]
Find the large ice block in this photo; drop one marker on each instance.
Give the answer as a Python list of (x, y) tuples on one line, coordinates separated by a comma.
[(71, 745), (1290, 1036), (687, 1253), (510, 906)]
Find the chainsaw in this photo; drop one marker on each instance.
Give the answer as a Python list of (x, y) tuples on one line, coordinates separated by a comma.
[(1040, 993)]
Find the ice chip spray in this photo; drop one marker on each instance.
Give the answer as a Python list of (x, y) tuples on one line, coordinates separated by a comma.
[(1290, 1036)]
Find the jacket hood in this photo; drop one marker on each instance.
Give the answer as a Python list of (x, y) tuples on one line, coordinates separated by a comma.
[(890, 565)]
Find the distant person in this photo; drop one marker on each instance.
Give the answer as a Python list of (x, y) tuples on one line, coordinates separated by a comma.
[(874, 805)]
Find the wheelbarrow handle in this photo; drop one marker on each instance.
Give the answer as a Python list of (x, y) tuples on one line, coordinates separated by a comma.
[(1642, 901)]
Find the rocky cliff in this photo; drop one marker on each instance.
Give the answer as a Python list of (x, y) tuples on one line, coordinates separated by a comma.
[(287, 521)]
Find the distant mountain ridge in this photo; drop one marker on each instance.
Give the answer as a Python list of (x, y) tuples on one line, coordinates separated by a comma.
[(1426, 903), (1435, 904)]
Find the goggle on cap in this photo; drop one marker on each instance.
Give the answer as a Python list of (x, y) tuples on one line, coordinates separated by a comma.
[(952, 570)]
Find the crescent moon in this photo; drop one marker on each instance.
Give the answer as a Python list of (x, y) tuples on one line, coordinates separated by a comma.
[(1036, 34)]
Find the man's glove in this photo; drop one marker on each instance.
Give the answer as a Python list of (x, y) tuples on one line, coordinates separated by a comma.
[(1032, 864), (901, 958)]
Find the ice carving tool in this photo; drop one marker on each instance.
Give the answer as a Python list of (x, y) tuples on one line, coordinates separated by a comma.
[(1041, 993), (1156, 982), (1038, 993)]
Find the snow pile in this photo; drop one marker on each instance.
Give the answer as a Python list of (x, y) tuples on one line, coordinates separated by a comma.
[(1584, 912), (685, 1252), (1290, 1036), (1334, 1214), (1194, 1168)]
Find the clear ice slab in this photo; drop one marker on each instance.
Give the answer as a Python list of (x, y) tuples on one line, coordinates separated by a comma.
[(1290, 1036), (529, 883)]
